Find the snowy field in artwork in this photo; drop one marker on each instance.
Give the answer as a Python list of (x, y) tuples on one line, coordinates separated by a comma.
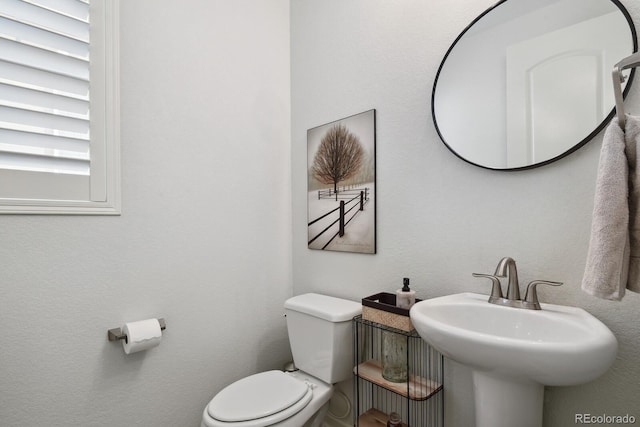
[(359, 232)]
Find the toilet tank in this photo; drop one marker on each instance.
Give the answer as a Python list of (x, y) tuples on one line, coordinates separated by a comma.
[(320, 334)]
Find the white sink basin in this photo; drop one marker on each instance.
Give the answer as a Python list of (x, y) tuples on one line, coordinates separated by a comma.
[(513, 352)]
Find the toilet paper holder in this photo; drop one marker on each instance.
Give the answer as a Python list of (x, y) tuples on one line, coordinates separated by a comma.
[(116, 334)]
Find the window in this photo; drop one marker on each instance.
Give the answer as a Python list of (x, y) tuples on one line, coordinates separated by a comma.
[(59, 107)]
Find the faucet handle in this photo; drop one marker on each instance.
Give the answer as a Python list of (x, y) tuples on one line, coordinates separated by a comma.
[(531, 295), (496, 289)]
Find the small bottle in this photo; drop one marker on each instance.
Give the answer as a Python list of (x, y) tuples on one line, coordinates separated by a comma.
[(405, 297), (394, 420)]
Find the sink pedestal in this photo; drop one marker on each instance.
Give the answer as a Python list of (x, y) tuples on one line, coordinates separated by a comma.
[(503, 401)]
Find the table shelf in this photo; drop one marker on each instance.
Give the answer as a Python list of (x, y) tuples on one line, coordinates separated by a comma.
[(374, 418), (417, 388), (419, 400)]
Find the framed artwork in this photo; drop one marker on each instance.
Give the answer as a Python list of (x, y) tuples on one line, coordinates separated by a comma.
[(341, 185)]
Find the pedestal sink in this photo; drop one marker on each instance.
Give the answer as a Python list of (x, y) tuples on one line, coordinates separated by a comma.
[(514, 352)]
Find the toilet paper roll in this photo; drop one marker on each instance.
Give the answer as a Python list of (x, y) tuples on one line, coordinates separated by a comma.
[(141, 335)]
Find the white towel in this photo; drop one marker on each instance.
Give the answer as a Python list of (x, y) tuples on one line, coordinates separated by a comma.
[(613, 260)]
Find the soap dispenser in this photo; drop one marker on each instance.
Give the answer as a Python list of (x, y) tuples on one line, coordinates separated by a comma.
[(405, 297)]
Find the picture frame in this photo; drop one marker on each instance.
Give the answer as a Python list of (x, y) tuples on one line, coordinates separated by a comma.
[(341, 184)]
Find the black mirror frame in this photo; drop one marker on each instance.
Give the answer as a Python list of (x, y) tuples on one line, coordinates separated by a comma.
[(597, 130)]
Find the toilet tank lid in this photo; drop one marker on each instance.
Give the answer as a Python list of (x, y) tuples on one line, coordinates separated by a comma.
[(324, 307)]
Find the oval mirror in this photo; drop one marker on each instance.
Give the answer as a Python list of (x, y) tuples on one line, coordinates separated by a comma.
[(528, 82)]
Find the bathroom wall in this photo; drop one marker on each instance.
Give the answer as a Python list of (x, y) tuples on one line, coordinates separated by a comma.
[(439, 218), (204, 239)]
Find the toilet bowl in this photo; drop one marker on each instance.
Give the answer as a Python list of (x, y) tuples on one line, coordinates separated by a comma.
[(319, 329), (272, 398)]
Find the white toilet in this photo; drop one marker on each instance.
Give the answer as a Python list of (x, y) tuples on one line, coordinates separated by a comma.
[(319, 329)]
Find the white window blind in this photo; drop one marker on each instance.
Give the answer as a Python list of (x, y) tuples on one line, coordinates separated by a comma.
[(58, 106)]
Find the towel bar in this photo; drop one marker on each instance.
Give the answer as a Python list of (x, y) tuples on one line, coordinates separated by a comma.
[(631, 61)]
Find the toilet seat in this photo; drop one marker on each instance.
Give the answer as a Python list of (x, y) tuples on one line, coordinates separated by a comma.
[(259, 400)]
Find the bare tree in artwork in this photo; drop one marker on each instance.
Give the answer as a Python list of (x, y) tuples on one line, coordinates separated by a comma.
[(339, 156)]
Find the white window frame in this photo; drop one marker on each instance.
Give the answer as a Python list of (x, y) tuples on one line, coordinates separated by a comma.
[(105, 185)]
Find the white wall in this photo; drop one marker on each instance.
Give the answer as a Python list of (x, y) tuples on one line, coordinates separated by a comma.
[(203, 241), (439, 218)]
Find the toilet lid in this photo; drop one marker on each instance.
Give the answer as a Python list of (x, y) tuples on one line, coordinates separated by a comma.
[(258, 396)]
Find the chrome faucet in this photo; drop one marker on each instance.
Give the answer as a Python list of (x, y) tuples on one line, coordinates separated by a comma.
[(507, 266)]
